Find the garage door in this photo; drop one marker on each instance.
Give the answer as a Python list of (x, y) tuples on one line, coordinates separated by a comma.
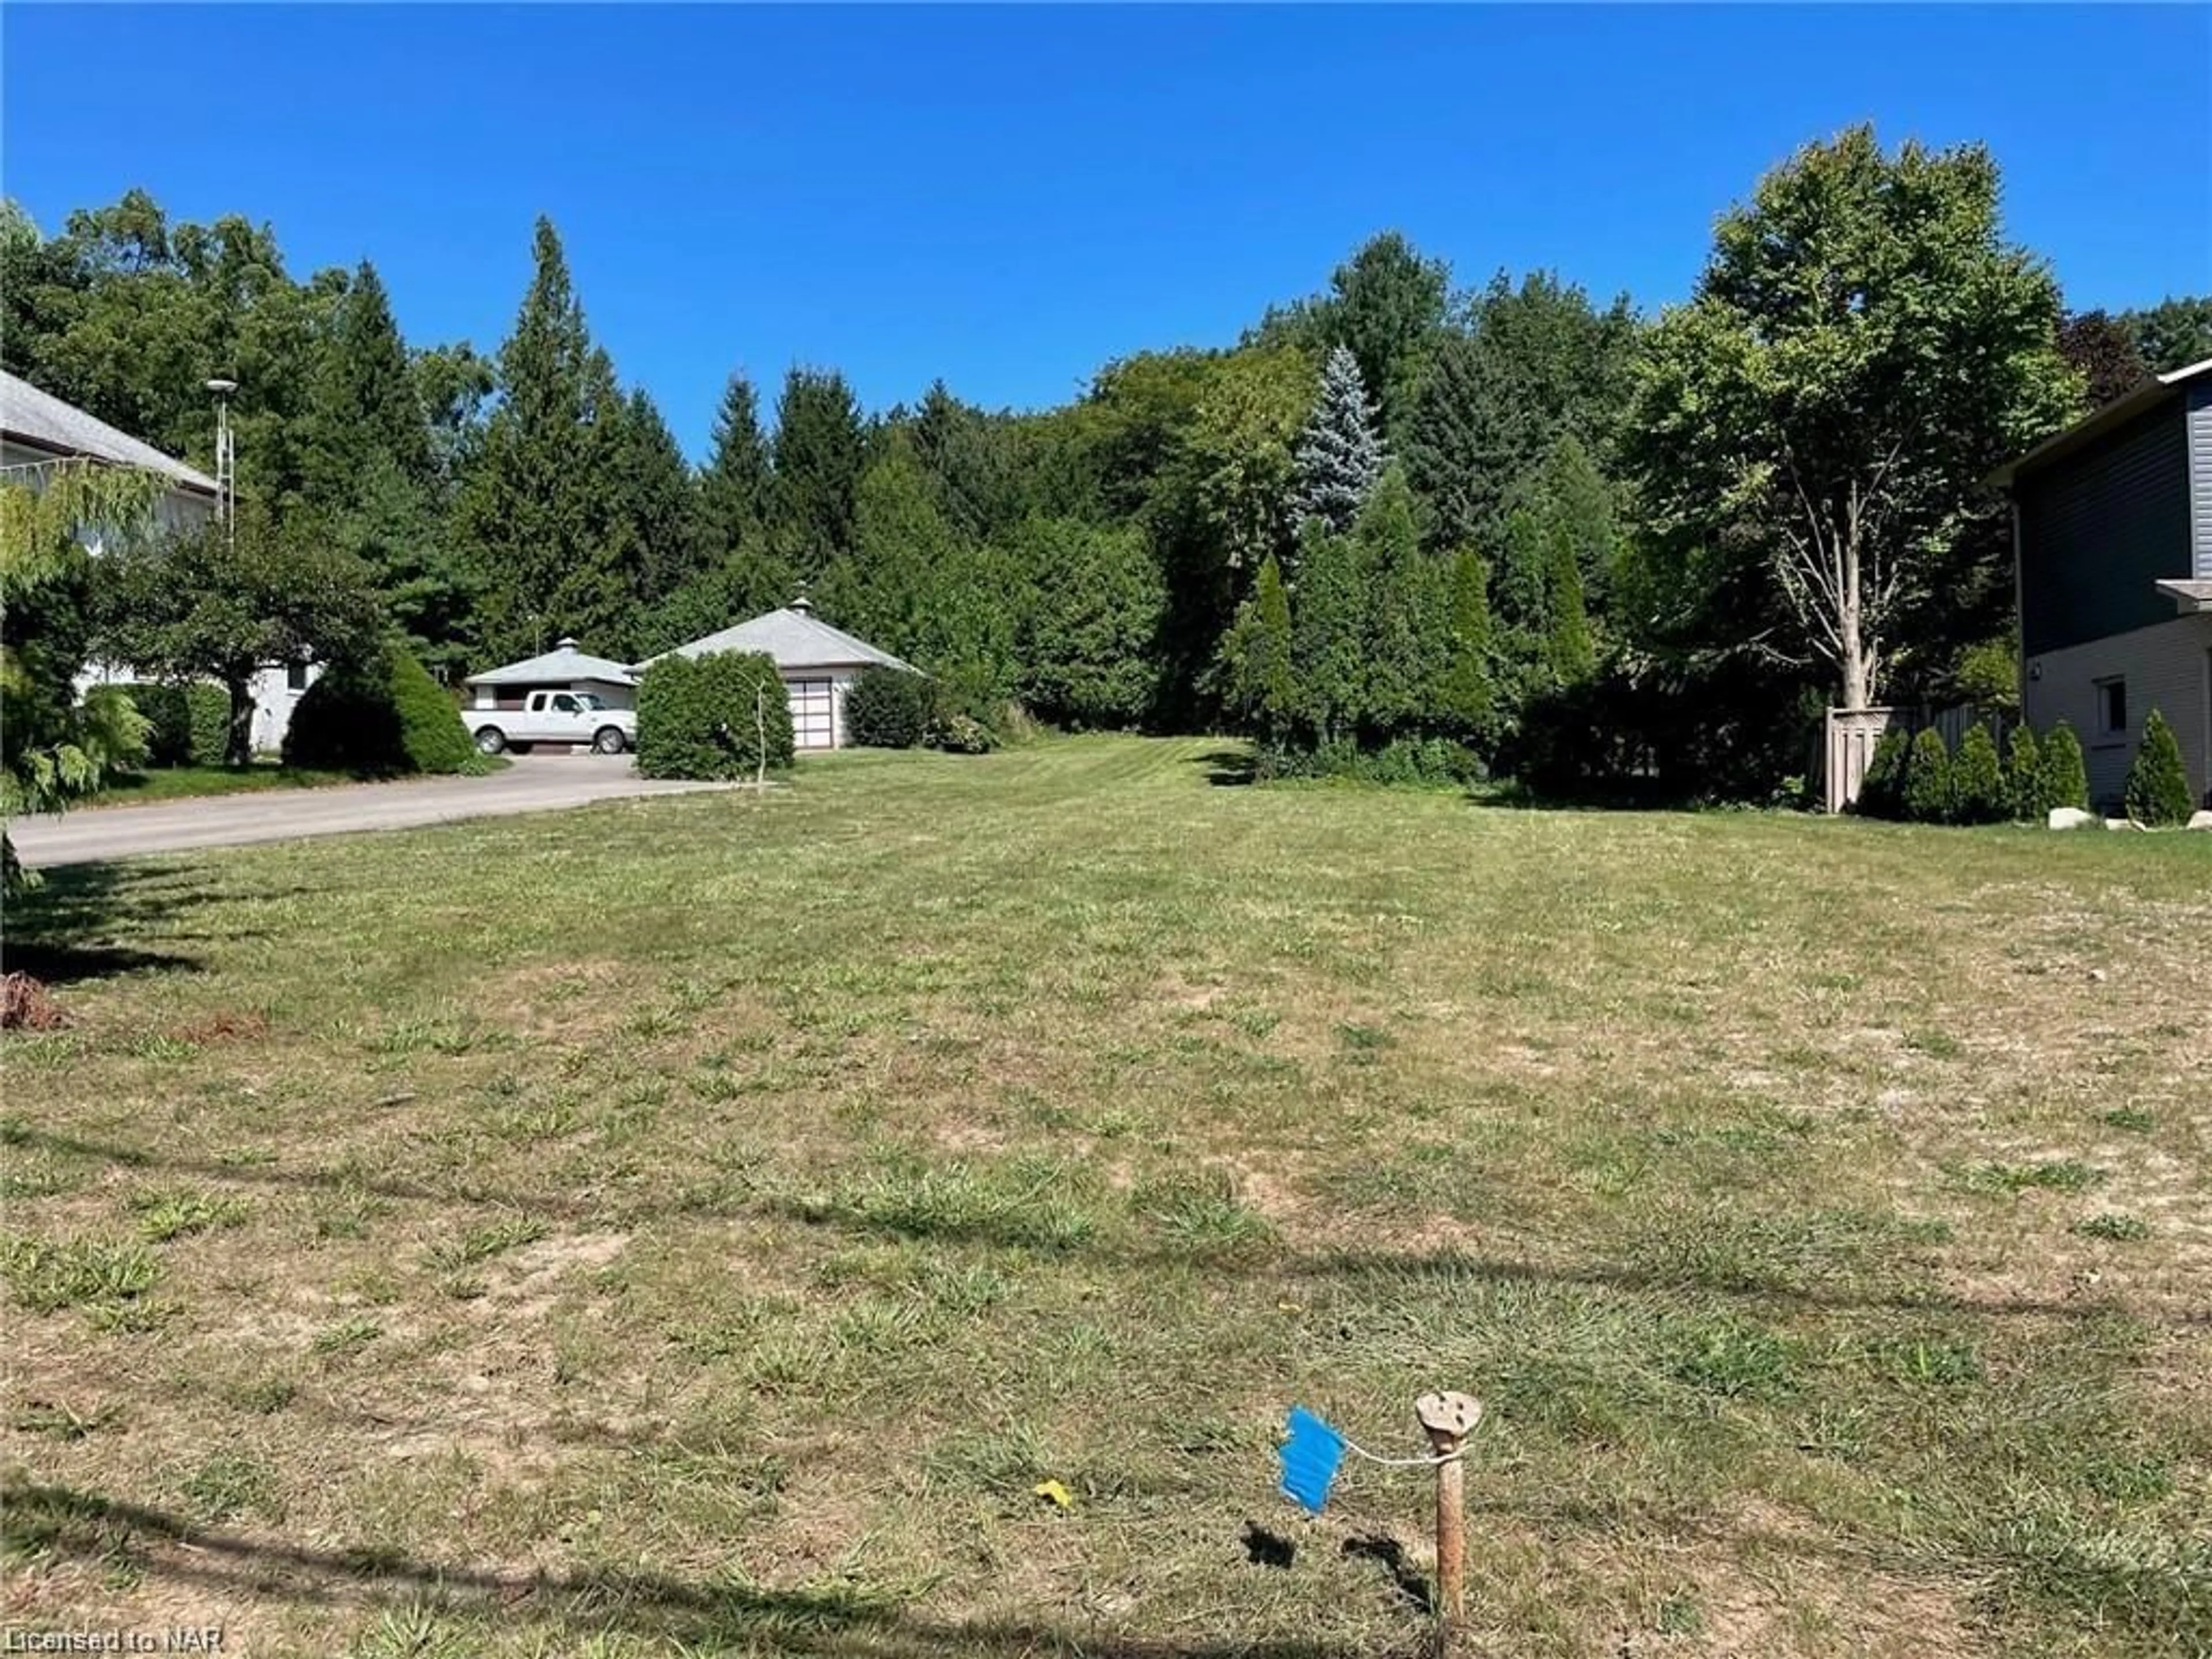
[(813, 716)]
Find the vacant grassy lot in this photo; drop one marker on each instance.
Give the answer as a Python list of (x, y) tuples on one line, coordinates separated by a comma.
[(696, 1225)]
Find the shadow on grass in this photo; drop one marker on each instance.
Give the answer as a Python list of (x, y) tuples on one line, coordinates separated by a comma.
[(62, 930), (1228, 768), (63, 1522)]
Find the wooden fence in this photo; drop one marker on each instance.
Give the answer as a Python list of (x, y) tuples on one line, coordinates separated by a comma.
[(1848, 736)]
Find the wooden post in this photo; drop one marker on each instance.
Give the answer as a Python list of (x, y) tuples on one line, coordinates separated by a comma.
[(1447, 1418)]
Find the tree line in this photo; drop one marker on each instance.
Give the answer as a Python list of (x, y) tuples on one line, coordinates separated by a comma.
[(1515, 523)]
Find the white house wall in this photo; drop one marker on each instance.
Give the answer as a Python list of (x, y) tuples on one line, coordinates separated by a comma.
[(2167, 667)]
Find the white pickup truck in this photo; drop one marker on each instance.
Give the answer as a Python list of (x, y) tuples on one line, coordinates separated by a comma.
[(564, 717)]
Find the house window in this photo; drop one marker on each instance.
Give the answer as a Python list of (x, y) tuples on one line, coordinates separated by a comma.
[(2112, 707), (295, 676)]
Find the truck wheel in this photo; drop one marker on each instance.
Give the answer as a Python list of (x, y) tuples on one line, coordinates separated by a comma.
[(491, 739), (609, 740)]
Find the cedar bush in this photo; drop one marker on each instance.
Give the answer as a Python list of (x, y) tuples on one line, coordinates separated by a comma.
[(381, 717), (702, 717), (189, 723), (887, 708), (1978, 794), (1881, 791), (2024, 775), (2065, 775), (1928, 797), (2158, 784)]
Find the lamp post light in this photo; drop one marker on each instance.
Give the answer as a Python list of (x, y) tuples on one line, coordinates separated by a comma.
[(226, 461)]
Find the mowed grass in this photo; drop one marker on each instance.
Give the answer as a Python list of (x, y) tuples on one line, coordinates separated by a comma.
[(696, 1225)]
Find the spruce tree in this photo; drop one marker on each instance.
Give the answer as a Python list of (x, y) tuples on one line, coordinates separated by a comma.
[(2158, 783), (733, 487), (1928, 793), (820, 452), (527, 512), (2024, 774), (2065, 774), (1977, 781), (363, 406), (1338, 457)]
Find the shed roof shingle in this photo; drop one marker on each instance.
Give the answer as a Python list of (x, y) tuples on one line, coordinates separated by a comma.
[(795, 640), (563, 663)]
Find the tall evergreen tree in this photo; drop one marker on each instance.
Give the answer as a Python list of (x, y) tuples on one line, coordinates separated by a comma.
[(1330, 632), (528, 510), (1405, 604), (1339, 457), (967, 457), (820, 451), (1256, 661), (734, 487), (1465, 698), (365, 402), (656, 501)]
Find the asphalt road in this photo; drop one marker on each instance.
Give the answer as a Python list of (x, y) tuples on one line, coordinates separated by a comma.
[(534, 784)]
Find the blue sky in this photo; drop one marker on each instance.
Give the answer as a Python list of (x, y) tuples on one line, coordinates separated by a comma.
[(1008, 197)]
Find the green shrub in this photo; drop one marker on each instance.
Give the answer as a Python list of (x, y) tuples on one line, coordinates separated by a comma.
[(961, 734), (381, 717), (1928, 797), (2065, 776), (2158, 784), (1881, 791), (1978, 794), (704, 717), (2024, 775), (190, 722), (886, 708)]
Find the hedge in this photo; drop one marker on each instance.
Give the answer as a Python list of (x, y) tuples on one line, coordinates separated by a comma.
[(190, 722), (886, 708), (702, 717), (2065, 774), (382, 717)]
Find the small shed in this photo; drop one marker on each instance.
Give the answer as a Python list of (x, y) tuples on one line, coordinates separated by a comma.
[(818, 662), (564, 668)]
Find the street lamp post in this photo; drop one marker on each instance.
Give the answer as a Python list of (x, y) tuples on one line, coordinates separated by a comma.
[(226, 461)]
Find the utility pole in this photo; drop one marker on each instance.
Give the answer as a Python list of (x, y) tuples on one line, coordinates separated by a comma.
[(226, 462)]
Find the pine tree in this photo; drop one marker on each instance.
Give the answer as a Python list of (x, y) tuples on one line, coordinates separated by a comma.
[(1338, 457), (1466, 699), (1088, 631), (1928, 793), (1977, 782), (2065, 774), (2024, 774), (2158, 783)]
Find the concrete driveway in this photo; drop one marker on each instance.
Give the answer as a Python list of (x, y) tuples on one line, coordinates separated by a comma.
[(533, 784)]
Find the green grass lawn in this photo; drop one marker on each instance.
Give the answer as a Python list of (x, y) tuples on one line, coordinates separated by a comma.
[(695, 1225)]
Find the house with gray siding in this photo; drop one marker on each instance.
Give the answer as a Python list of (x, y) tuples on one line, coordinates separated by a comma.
[(2112, 558)]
